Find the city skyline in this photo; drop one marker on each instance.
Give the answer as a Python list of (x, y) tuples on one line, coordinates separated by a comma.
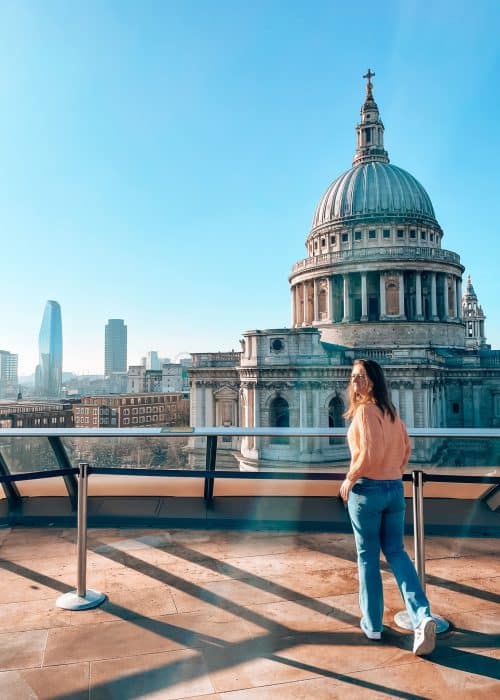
[(166, 172)]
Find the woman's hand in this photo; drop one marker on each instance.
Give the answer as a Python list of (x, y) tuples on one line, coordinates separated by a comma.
[(345, 489)]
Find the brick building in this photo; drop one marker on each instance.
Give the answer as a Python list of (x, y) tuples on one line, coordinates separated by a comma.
[(36, 414), (131, 410)]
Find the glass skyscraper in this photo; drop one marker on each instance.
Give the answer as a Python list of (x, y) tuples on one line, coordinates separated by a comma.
[(115, 346), (49, 370)]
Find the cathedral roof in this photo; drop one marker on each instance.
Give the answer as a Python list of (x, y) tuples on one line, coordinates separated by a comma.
[(373, 187)]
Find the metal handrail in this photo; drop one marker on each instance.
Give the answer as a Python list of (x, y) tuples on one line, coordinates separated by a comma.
[(82, 598), (234, 431)]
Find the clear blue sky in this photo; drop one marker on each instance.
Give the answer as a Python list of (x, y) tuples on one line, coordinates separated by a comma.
[(161, 161)]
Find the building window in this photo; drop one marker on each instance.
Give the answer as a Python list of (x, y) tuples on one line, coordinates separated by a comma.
[(400, 233), (372, 234), (423, 235), (455, 407), (431, 236), (357, 235), (387, 233), (279, 417), (333, 240), (336, 418), (126, 421), (413, 233), (134, 420), (345, 237), (323, 242)]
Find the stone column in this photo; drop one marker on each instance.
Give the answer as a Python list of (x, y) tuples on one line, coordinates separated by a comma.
[(256, 415), (347, 305), (409, 408), (200, 442), (303, 417), (316, 418), (315, 301), (382, 296), (442, 407), (329, 298), (459, 298), (425, 406), (209, 403), (476, 400), (434, 315), (294, 317), (200, 406), (331, 301), (401, 295), (446, 299), (418, 296), (395, 398), (304, 301), (364, 297)]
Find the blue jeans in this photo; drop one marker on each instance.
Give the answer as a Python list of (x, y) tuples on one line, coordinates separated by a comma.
[(376, 509)]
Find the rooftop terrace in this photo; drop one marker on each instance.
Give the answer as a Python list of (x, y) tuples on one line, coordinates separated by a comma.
[(229, 615), (231, 585)]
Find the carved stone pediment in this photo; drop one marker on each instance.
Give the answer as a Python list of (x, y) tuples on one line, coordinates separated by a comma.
[(226, 393)]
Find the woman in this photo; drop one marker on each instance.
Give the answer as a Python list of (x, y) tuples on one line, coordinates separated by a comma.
[(373, 488)]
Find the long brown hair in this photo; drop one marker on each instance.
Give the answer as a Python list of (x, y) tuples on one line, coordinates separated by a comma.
[(379, 394)]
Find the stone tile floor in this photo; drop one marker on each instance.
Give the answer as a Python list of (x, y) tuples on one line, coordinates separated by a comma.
[(228, 615)]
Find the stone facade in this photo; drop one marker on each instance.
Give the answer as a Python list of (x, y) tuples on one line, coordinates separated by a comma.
[(376, 283)]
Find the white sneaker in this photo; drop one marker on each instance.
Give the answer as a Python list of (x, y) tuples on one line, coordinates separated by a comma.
[(425, 637), (370, 635)]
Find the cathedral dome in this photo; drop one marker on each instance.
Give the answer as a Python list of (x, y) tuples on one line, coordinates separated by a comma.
[(374, 189)]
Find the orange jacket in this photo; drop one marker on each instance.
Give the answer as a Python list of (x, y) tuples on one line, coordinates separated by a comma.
[(380, 449)]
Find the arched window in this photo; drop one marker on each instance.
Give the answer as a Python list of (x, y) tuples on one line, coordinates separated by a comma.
[(279, 417), (336, 418)]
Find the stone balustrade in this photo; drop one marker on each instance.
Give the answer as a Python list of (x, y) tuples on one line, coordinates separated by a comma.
[(404, 253)]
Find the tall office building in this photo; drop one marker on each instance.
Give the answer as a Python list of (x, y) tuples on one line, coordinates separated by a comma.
[(115, 346), (152, 360), (49, 370), (8, 374)]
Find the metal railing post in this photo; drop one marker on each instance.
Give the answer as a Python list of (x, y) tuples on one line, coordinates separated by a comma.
[(81, 534), (402, 618), (210, 460), (418, 524), (81, 599)]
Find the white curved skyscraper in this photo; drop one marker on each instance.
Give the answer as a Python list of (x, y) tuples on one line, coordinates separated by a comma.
[(49, 370)]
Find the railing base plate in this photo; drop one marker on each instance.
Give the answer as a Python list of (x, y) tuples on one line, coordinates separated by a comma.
[(73, 601), (402, 619)]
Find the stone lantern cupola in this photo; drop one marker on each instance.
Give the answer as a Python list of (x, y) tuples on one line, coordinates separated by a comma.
[(370, 130)]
